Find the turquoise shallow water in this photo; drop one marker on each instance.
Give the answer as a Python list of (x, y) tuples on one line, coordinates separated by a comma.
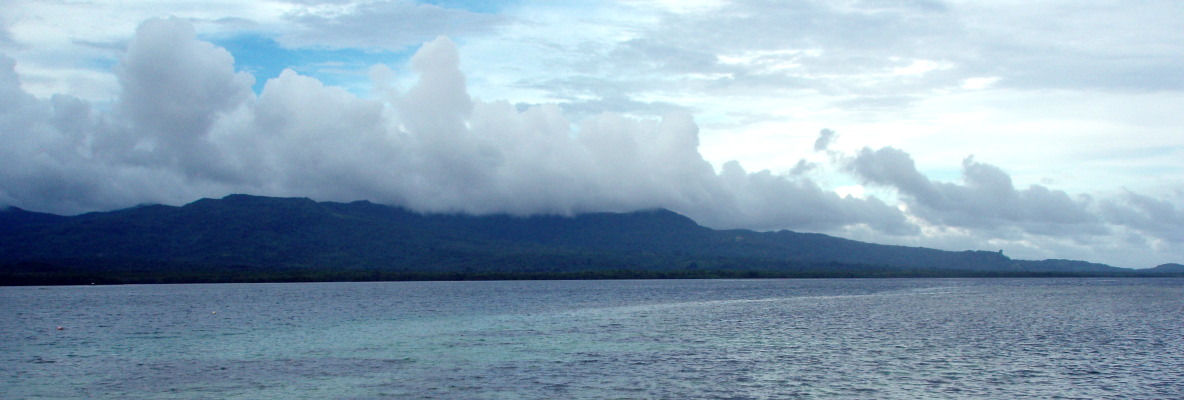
[(673, 339)]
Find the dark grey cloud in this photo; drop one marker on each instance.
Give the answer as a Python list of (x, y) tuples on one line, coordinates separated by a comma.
[(1156, 217), (825, 138), (766, 201), (986, 198), (802, 168), (986, 209), (51, 156)]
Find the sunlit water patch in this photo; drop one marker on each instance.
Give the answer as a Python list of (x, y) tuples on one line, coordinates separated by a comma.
[(726, 339)]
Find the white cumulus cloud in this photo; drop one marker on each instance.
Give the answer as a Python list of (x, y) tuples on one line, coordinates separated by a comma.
[(185, 124)]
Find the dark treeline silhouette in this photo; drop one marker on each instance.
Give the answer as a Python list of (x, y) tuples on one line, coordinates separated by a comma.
[(260, 239)]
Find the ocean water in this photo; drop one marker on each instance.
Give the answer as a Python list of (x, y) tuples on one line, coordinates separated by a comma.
[(659, 339)]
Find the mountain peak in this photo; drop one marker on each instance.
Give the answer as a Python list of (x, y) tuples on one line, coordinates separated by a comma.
[(1169, 267), (13, 218), (238, 197)]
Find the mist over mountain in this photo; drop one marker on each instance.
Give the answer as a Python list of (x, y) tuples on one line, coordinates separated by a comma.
[(244, 238), (184, 118)]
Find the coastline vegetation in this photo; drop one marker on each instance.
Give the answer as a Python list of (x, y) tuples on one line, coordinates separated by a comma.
[(46, 274)]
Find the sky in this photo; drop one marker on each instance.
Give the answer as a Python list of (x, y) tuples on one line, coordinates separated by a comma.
[(1045, 129)]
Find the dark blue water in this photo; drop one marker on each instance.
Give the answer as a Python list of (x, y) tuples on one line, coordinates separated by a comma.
[(674, 339)]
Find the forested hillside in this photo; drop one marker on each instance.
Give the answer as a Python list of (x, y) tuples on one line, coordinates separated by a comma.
[(250, 238)]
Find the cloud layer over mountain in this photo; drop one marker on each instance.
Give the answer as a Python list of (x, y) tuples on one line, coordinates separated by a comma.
[(187, 125)]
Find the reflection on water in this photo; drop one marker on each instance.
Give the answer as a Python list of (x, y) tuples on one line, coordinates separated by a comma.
[(734, 339)]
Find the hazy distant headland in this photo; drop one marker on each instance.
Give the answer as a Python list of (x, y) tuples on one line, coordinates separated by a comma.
[(243, 238)]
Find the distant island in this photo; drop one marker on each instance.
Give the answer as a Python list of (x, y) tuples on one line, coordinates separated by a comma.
[(242, 238)]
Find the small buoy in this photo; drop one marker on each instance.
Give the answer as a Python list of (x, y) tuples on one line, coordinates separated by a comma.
[(61, 328)]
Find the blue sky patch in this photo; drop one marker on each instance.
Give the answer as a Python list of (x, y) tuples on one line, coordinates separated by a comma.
[(265, 58)]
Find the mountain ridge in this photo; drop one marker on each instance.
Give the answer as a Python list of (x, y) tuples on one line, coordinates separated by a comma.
[(244, 238)]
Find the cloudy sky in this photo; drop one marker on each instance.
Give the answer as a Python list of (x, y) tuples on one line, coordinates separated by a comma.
[(1047, 129)]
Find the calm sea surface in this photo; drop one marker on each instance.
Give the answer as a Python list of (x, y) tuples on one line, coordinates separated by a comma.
[(669, 339)]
